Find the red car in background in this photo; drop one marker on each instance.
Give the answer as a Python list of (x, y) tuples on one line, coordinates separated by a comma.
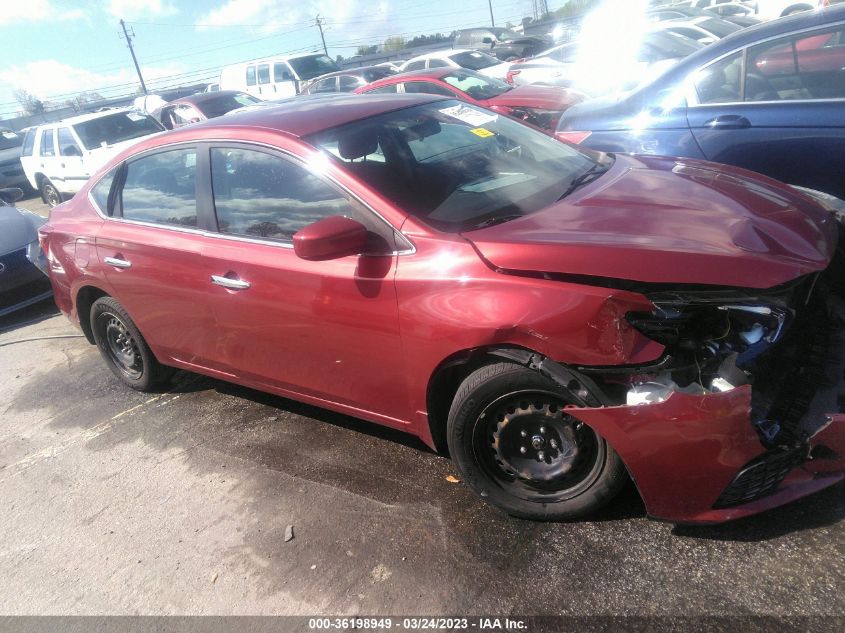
[(541, 106), (202, 106), (558, 319)]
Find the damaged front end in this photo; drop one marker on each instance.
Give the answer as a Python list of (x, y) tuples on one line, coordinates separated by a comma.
[(744, 410)]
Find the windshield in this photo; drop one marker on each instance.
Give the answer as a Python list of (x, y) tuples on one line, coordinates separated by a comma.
[(473, 60), (313, 66), (221, 105), (475, 85), (9, 139), (115, 128), (455, 166)]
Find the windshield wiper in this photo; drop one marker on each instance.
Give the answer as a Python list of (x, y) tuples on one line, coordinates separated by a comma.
[(588, 176), (494, 220)]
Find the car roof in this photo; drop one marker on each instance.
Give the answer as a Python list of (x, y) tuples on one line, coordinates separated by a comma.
[(90, 116), (299, 117), (202, 97), (441, 54), (349, 71)]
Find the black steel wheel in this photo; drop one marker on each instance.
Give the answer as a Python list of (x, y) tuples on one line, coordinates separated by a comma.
[(124, 348), (515, 445), (49, 193)]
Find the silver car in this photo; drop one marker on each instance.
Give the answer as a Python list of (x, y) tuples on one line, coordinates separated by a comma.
[(23, 267), (562, 65)]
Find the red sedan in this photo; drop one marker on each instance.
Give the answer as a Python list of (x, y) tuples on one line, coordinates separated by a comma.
[(541, 106), (558, 319)]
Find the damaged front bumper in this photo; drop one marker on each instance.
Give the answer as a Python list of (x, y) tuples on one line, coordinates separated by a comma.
[(698, 459)]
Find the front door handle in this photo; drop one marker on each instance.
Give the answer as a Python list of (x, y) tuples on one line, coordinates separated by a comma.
[(117, 263), (728, 122), (232, 284)]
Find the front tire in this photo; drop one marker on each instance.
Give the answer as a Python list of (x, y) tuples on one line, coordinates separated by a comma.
[(123, 348), (514, 445)]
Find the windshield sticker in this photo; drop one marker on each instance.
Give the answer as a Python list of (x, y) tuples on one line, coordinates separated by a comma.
[(9, 135), (469, 115), (483, 133)]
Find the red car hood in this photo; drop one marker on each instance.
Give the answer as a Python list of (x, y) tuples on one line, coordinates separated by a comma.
[(666, 220), (544, 97)]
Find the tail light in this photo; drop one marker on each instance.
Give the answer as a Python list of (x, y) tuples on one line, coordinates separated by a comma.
[(576, 138), (511, 74)]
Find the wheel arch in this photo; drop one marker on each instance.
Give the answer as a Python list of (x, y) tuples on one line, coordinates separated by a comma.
[(451, 372), (85, 298)]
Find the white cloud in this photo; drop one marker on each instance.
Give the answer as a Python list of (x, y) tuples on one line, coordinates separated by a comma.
[(132, 9), (36, 11), (49, 78), (270, 15)]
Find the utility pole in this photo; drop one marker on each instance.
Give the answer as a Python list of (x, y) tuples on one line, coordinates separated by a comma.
[(319, 22), (490, 4), (128, 39)]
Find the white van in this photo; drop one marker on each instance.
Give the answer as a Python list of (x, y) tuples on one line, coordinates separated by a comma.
[(276, 77), (58, 158)]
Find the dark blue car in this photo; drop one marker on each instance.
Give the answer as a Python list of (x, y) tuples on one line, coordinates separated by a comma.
[(770, 98)]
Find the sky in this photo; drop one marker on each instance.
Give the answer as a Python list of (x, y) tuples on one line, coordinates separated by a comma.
[(56, 49)]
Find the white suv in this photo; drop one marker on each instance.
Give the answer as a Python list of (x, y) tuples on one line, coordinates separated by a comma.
[(58, 158)]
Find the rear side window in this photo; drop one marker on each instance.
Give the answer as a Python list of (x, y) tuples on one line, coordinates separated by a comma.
[(428, 88), (100, 191), (67, 144), (811, 66), (391, 89), (264, 74), (161, 188), (347, 83), (417, 65), (265, 196), (437, 63), (250, 75), (325, 85), (47, 143), (28, 142)]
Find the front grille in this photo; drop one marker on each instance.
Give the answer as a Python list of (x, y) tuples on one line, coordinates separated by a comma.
[(761, 476)]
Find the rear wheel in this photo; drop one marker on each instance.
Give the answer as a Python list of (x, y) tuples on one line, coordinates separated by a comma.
[(123, 348), (514, 444), (49, 193)]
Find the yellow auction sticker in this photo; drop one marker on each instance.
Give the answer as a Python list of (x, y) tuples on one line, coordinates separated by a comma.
[(482, 132)]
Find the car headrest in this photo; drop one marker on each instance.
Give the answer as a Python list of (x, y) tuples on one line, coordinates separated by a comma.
[(358, 144)]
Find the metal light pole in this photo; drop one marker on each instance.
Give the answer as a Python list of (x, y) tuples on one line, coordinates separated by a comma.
[(490, 4), (132, 52)]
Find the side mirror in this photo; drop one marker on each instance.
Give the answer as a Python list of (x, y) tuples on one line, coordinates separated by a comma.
[(71, 150), (330, 238), (10, 195)]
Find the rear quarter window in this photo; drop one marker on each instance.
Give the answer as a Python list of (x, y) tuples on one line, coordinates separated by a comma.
[(28, 142)]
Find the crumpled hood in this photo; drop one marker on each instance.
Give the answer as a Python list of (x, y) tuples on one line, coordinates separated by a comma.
[(664, 220), (547, 97), (17, 229)]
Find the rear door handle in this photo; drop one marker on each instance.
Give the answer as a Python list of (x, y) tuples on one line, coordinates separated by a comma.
[(728, 122), (232, 284), (117, 263)]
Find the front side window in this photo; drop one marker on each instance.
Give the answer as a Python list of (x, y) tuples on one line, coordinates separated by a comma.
[(720, 82), (281, 72), (417, 65), (325, 85), (437, 63), (161, 188), (261, 195), (47, 143), (455, 166), (185, 115), (264, 74), (389, 89), (67, 144), (250, 75)]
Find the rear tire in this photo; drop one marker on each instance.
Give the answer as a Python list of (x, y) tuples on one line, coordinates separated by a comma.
[(123, 348), (49, 193), (515, 447)]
